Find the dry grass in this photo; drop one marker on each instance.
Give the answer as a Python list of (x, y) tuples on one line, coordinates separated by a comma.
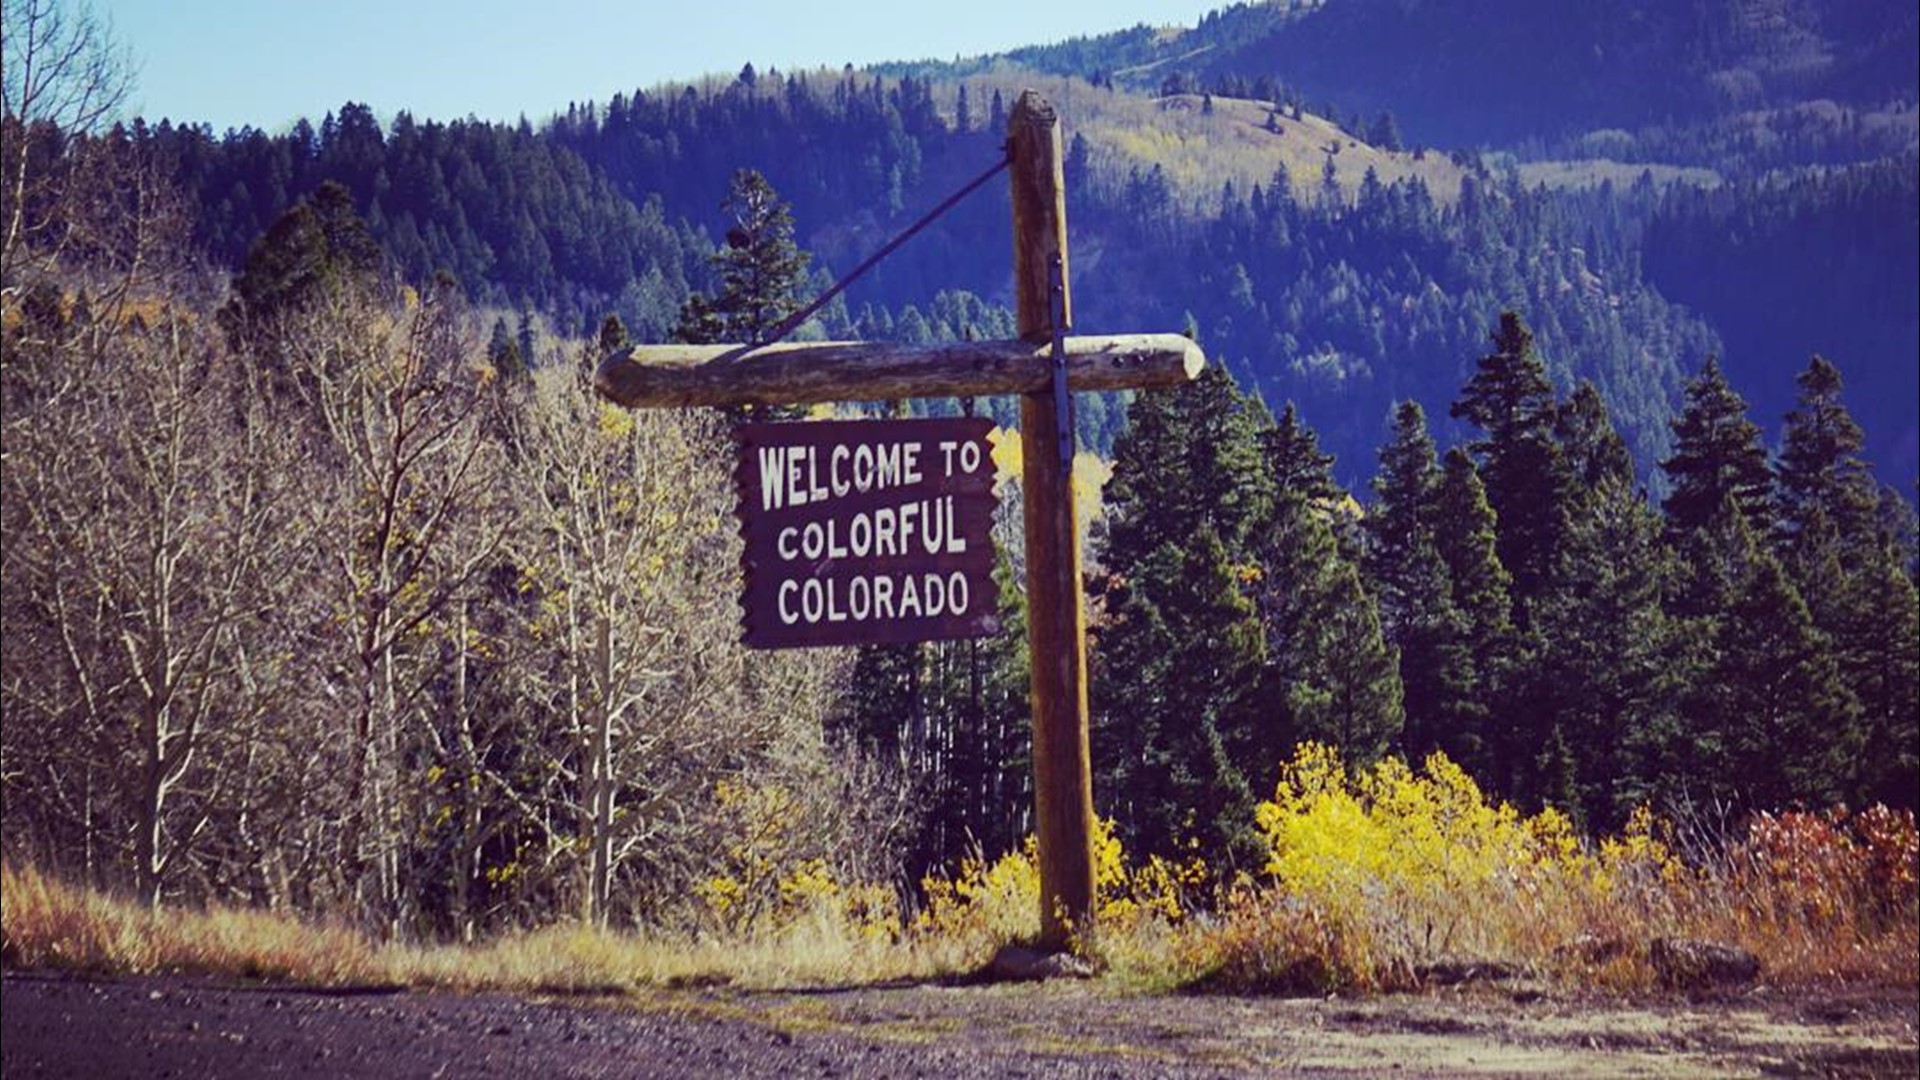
[(1377, 881), (45, 923), (1199, 150)]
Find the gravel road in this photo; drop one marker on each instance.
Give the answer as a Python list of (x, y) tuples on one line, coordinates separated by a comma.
[(57, 1025)]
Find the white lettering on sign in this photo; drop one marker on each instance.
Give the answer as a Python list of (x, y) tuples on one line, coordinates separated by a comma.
[(928, 526), (797, 476), (928, 594), (867, 531)]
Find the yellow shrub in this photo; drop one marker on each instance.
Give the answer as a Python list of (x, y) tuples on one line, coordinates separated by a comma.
[(992, 903), (1425, 866), (768, 887)]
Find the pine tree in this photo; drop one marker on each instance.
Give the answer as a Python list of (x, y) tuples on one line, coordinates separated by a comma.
[(1465, 536), (319, 243), (1175, 738), (1329, 670), (1522, 464), (1844, 562), (1188, 458), (1821, 474), (529, 355), (1717, 453), (1596, 456), (1787, 723), (503, 352), (1296, 462), (613, 335), (1403, 564), (993, 752), (1219, 748), (1171, 656), (761, 269), (1608, 649), (1878, 642), (1328, 666), (1400, 520)]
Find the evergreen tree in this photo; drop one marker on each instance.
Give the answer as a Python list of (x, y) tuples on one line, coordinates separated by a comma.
[(761, 269), (320, 243), (528, 354), (1329, 672), (1403, 564), (1296, 462), (1608, 660), (1189, 458), (1177, 742), (613, 335), (1400, 520), (503, 352), (1522, 464), (1596, 456), (1878, 643), (1844, 564), (1717, 453), (1787, 724), (991, 768), (1465, 536), (1826, 491), (1295, 465)]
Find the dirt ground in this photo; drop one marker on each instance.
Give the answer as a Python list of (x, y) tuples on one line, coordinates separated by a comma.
[(56, 1025)]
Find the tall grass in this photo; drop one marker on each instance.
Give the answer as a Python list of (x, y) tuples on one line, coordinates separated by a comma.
[(1376, 882), (45, 923)]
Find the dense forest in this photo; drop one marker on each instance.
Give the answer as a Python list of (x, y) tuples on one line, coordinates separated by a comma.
[(329, 585), (1325, 261)]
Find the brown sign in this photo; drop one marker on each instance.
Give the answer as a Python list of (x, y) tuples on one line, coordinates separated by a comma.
[(867, 532)]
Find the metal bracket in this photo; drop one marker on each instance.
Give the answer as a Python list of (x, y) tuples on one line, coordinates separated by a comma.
[(1062, 398)]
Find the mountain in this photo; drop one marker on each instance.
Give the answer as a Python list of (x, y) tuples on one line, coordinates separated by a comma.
[(1500, 72), (1647, 184)]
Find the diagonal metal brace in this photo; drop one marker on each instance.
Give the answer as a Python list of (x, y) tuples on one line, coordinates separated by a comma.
[(1062, 397)]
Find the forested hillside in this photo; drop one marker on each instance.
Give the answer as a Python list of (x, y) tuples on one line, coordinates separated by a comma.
[(1503, 72), (331, 587), (1342, 264), (1344, 285)]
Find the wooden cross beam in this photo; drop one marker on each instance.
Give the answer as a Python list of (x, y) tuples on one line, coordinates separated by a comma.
[(793, 374), (804, 373)]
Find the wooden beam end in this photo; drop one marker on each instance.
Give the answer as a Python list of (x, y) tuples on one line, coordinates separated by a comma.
[(615, 378), (1192, 360)]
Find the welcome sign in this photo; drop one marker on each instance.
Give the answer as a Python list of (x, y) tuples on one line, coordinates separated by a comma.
[(867, 532)]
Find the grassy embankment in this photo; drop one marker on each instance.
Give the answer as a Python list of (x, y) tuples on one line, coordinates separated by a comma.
[(1376, 882)]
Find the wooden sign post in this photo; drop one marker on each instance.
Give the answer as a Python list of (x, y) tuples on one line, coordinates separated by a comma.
[(1044, 366), (1056, 614)]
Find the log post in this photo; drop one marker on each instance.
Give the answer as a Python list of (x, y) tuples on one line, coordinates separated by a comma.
[(1056, 622)]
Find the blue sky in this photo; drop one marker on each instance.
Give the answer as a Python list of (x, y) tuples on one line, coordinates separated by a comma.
[(264, 63)]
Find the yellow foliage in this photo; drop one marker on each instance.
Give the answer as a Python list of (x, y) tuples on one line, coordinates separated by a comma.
[(1424, 866), (769, 889), (615, 422), (1008, 458), (1000, 901)]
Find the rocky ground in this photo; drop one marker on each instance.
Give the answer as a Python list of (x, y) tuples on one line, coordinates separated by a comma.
[(56, 1025)]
